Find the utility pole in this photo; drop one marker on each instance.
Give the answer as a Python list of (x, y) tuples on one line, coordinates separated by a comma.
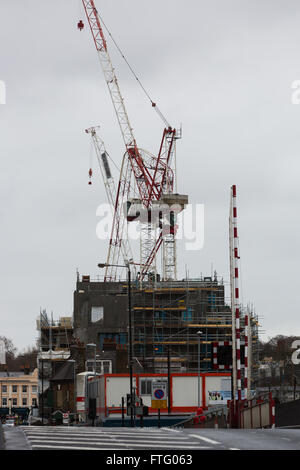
[(199, 333), (130, 348), (42, 397), (169, 382)]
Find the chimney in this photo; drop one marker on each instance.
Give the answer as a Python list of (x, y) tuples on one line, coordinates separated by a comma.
[(77, 352)]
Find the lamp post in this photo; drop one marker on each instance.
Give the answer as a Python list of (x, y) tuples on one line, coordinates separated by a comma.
[(74, 389), (104, 265), (42, 396), (199, 333)]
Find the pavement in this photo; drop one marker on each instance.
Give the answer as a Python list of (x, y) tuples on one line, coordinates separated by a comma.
[(1, 437), (15, 438), (88, 438)]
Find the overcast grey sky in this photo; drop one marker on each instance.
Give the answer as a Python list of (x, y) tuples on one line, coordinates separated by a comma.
[(222, 68)]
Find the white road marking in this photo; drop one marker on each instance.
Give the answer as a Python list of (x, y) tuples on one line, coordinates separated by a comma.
[(157, 435), (122, 444), (102, 434), (206, 439), (73, 448), (169, 429), (109, 438)]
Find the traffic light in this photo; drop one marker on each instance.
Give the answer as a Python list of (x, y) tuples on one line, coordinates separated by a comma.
[(128, 404), (92, 408)]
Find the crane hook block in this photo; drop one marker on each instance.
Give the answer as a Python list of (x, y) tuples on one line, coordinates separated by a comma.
[(90, 175), (80, 25)]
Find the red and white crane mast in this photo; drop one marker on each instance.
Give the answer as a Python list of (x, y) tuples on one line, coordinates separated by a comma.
[(153, 175)]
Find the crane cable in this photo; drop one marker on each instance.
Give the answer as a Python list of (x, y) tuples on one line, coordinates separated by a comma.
[(154, 105)]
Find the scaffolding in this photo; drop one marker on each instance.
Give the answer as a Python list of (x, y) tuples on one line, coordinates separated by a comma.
[(54, 334), (167, 317)]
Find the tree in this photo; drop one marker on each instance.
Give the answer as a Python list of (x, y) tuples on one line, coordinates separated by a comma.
[(10, 349), (18, 361), (278, 347)]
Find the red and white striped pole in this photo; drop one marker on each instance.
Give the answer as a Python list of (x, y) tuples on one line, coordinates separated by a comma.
[(272, 410), (233, 335), (236, 293), (246, 356)]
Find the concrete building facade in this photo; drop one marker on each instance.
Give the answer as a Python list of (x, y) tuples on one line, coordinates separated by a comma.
[(18, 390)]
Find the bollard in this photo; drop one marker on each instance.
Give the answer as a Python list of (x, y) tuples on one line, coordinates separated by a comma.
[(123, 411), (216, 422)]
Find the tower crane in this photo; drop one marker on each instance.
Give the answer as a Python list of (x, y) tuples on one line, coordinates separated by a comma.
[(153, 176)]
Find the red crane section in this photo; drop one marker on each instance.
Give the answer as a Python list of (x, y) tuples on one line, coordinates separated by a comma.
[(153, 175)]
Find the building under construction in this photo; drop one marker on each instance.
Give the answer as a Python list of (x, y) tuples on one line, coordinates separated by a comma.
[(166, 319)]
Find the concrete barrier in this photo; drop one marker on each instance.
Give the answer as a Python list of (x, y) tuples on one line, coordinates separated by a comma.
[(288, 414), (256, 413)]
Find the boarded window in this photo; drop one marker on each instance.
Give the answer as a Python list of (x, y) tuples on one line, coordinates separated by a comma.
[(59, 398), (97, 314)]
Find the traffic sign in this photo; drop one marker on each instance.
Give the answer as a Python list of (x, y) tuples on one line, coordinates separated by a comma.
[(159, 394)]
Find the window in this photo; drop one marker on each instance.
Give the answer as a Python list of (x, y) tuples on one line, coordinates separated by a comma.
[(15, 388), (15, 402), (24, 388), (4, 388), (4, 401), (24, 401), (34, 402), (97, 314), (146, 387), (107, 367), (34, 388)]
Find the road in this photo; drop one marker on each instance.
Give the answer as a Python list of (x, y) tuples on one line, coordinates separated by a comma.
[(86, 438)]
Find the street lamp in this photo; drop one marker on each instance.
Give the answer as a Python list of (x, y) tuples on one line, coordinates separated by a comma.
[(74, 393), (42, 396), (199, 333), (104, 265)]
